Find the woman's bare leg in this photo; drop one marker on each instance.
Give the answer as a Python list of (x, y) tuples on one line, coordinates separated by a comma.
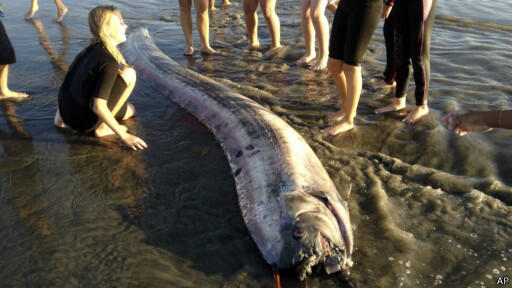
[(251, 22), (354, 86), (33, 9), (103, 129), (62, 10), (203, 26), (335, 67), (274, 27), (5, 92), (308, 32), (321, 25), (186, 25)]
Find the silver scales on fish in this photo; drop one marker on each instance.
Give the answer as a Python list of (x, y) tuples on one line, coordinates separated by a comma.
[(288, 201)]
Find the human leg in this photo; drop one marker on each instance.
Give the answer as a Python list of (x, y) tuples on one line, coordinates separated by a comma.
[(268, 8), (5, 92), (331, 6), (61, 10), (186, 25), (420, 55), (402, 57), (354, 86), (251, 22), (211, 7), (203, 26), (308, 32), (33, 9), (321, 25), (118, 106), (335, 67)]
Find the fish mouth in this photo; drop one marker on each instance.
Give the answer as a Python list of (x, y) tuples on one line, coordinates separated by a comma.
[(325, 253)]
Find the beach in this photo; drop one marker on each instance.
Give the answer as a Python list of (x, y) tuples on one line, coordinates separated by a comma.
[(428, 208)]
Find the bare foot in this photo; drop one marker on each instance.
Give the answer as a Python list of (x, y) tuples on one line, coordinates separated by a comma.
[(383, 84), (189, 51), (207, 50), (226, 3), (103, 130), (57, 120), (331, 6), (253, 46), (398, 104), (31, 12), (320, 64), (305, 59), (12, 94), (335, 116), (416, 113), (343, 126), (61, 14), (272, 51)]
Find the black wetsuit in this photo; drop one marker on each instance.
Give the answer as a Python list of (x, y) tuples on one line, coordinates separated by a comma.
[(389, 39), (7, 55), (352, 29), (93, 74), (413, 27)]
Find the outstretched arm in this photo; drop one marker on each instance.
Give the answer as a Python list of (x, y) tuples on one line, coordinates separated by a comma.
[(463, 122), (101, 109)]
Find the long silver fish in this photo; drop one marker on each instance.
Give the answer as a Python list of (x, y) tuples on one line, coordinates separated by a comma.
[(288, 201)]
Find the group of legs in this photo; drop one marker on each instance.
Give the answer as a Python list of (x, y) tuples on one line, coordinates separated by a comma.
[(61, 10), (353, 26), (251, 23), (314, 23)]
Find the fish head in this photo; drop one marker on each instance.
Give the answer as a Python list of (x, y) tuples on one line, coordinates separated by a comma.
[(318, 243)]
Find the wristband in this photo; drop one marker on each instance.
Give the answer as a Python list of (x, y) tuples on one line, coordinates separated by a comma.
[(500, 118)]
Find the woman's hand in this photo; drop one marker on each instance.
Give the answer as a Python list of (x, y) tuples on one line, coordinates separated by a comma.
[(129, 75), (134, 142), (463, 122)]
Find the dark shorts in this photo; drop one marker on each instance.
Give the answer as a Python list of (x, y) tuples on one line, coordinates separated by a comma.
[(7, 55), (352, 29), (85, 120)]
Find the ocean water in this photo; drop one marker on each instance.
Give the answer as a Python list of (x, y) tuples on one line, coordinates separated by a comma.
[(428, 208)]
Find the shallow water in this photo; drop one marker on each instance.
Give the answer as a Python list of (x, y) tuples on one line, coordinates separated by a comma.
[(428, 208)]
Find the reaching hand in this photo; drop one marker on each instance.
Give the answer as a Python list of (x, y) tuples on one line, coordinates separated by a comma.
[(128, 74), (463, 122), (134, 142)]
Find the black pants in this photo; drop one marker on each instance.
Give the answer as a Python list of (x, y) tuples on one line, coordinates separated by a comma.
[(412, 45)]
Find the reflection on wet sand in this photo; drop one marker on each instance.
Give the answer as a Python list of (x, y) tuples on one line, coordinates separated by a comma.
[(19, 165), (58, 60)]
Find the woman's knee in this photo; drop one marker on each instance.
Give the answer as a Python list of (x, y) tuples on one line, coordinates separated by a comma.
[(334, 66), (185, 6), (268, 8)]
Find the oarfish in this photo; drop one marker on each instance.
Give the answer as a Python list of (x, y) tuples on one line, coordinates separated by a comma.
[(288, 201)]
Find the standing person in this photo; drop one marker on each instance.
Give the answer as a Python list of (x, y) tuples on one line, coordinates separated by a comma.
[(94, 94), (202, 22), (314, 23), (225, 3), (268, 7), (352, 29), (61, 10), (389, 39), (413, 27), (7, 57)]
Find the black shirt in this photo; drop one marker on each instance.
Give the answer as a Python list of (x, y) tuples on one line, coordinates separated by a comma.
[(93, 74)]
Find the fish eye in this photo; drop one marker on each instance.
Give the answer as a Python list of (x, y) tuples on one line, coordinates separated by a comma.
[(298, 233)]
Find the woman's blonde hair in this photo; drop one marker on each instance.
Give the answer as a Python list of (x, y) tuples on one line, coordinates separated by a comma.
[(99, 19)]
